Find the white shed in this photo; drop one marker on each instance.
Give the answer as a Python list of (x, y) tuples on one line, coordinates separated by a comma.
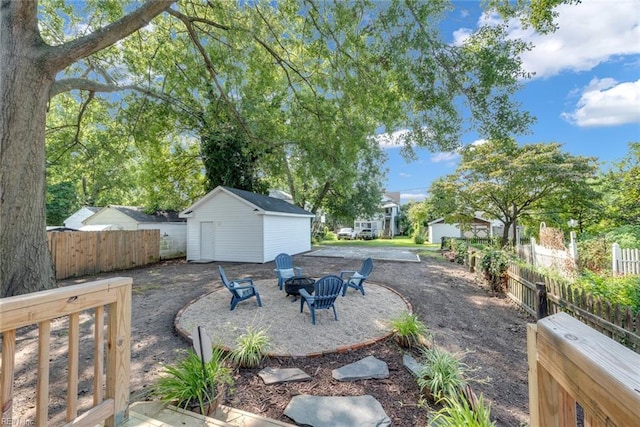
[(75, 220), (173, 229), (229, 224), (438, 229)]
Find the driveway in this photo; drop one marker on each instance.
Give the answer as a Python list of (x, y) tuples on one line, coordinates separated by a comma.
[(359, 252)]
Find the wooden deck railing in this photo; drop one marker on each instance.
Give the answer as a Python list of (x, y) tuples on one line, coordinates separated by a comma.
[(571, 363), (40, 309)]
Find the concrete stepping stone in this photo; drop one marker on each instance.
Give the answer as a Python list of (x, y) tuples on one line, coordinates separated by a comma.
[(412, 365), (337, 411), (281, 375), (369, 367)]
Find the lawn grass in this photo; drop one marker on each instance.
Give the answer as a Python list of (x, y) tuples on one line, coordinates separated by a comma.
[(426, 249)]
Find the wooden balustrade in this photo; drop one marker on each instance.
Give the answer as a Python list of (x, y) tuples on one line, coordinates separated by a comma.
[(571, 363), (40, 308)]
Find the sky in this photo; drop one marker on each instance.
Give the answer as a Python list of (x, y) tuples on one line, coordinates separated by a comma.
[(585, 93)]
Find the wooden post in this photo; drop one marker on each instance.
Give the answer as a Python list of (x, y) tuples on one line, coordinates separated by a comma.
[(472, 262), (541, 301), (532, 356), (615, 258), (119, 355)]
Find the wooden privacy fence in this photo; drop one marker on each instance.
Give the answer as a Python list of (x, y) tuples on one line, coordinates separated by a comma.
[(571, 363), (81, 253), (531, 290), (625, 262), (40, 308)]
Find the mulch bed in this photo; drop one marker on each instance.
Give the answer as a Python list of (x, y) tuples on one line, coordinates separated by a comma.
[(399, 395)]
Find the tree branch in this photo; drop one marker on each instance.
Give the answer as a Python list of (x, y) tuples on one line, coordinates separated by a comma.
[(187, 21), (59, 57)]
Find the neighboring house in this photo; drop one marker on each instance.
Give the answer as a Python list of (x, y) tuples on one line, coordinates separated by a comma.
[(384, 223), (229, 224), (75, 220), (173, 229)]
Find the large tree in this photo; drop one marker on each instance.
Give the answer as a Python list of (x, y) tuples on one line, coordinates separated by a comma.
[(303, 78), (622, 190), (27, 75), (505, 180)]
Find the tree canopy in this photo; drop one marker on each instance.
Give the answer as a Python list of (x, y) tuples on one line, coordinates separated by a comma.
[(307, 82), (505, 181)]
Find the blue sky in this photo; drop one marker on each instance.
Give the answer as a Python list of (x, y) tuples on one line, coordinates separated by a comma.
[(585, 93)]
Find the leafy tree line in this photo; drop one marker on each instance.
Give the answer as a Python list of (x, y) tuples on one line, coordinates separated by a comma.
[(306, 83), (532, 183)]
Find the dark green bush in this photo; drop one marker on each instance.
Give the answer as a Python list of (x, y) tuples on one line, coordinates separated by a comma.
[(459, 249), (617, 290), (494, 265)]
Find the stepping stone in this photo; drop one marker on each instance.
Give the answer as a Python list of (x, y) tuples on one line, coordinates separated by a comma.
[(337, 411), (412, 365), (369, 367), (278, 375)]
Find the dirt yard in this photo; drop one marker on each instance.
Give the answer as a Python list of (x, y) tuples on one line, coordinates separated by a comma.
[(460, 313)]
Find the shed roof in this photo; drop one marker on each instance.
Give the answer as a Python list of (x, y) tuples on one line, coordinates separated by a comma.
[(262, 202), (140, 216), (476, 219)]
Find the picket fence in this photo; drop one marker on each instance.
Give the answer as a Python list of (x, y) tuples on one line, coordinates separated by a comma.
[(82, 253), (615, 321), (625, 262)]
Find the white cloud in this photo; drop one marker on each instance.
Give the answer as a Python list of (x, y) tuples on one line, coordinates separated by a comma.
[(404, 175), (589, 33), (391, 140), (605, 102), (461, 35), (448, 157)]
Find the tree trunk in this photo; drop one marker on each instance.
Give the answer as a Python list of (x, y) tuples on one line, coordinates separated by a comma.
[(27, 72), (26, 264), (505, 233)]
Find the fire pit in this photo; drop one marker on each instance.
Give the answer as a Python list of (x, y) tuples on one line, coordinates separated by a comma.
[(293, 285)]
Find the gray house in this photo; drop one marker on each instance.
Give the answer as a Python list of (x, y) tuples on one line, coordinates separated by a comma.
[(229, 224)]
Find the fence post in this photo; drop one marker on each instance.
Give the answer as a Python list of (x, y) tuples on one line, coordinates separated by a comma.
[(573, 248), (615, 258), (541, 301), (472, 261), (533, 252)]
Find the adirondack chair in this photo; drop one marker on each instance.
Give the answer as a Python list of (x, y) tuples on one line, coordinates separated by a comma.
[(355, 279), (238, 291), (285, 269), (325, 292)]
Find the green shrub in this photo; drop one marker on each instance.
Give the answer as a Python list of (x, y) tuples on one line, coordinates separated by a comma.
[(617, 290), (251, 348), (595, 254), (330, 235), (185, 385), (418, 239), (443, 374), (494, 265), (408, 330), (458, 412), (459, 249), (627, 236)]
